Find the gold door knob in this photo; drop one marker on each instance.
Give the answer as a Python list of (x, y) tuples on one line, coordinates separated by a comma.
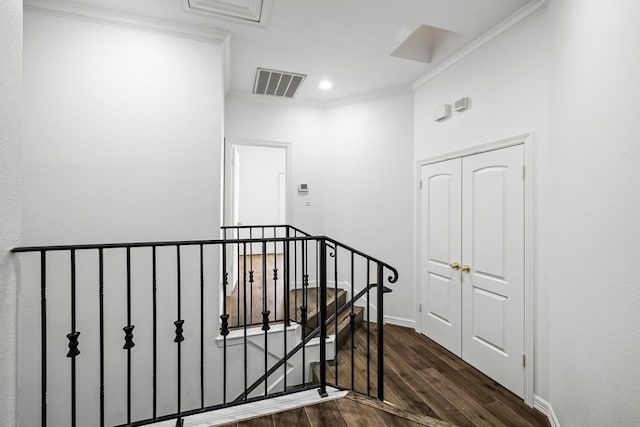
[(466, 268), (454, 265)]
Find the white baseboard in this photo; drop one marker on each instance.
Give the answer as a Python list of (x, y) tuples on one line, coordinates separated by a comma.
[(545, 407), (400, 321)]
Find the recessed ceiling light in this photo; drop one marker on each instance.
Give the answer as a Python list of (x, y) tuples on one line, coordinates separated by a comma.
[(325, 85)]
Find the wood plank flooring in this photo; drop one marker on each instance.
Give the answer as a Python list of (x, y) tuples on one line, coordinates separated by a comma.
[(352, 410), (421, 378), (424, 378), (274, 290)]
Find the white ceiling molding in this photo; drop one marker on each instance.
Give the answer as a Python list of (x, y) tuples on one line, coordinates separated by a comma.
[(79, 12), (263, 99), (531, 9), (370, 96), (248, 12), (277, 100)]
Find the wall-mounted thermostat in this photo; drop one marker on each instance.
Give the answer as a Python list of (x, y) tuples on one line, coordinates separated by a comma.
[(461, 104), (303, 187), (442, 112)]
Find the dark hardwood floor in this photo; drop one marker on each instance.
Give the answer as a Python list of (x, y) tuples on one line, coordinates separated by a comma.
[(452, 389), (421, 378), (352, 410), (274, 291)]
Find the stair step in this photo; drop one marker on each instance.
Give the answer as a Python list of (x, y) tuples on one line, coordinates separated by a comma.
[(344, 322), (296, 300), (359, 364)]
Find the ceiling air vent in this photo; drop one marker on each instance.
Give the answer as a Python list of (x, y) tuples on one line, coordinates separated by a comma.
[(277, 83)]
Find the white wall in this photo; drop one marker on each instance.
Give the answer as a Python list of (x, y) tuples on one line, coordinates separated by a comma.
[(122, 142), (301, 125), (508, 86), (357, 159), (571, 76), (10, 197), (369, 188), (122, 134), (594, 333)]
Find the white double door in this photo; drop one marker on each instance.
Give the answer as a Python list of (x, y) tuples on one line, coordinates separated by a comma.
[(472, 261)]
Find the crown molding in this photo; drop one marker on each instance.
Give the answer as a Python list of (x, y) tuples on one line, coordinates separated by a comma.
[(272, 100), (369, 96), (262, 99), (79, 12), (532, 8), (227, 64)]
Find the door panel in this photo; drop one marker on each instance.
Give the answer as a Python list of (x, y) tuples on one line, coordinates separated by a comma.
[(493, 246), (438, 297), (440, 246), (488, 208), (489, 309)]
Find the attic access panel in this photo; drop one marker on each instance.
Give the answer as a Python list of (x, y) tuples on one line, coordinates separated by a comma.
[(277, 83), (252, 12), (427, 43)]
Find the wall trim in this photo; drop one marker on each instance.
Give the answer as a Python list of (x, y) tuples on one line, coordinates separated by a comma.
[(96, 15), (533, 8), (477, 149), (235, 95), (400, 321), (369, 96), (527, 140), (545, 407)]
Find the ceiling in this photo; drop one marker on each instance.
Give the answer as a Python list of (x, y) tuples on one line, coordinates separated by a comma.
[(346, 41)]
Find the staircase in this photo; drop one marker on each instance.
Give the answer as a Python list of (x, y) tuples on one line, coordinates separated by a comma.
[(359, 359), (157, 345), (340, 362), (343, 322)]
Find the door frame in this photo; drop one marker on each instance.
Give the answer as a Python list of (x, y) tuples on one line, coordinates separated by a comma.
[(227, 190), (527, 141)]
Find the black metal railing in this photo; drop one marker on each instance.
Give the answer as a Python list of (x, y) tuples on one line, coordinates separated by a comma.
[(262, 269), (184, 312)]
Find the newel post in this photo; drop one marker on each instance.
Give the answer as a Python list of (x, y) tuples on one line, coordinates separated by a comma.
[(380, 301), (323, 317)]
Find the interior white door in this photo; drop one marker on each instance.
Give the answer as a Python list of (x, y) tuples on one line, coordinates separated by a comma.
[(440, 249), (493, 249)]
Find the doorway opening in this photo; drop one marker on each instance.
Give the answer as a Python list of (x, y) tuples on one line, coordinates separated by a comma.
[(256, 192), (256, 189)]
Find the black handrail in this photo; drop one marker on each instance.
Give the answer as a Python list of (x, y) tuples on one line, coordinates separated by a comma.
[(392, 279), (245, 227), (158, 244), (311, 258)]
